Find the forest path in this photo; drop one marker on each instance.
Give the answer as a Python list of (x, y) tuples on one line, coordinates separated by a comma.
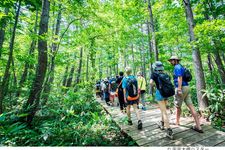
[(151, 135)]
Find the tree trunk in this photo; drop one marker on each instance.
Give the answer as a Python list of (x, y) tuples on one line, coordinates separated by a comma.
[(31, 53), (219, 65), (200, 79), (70, 79), (80, 67), (210, 65), (223, 57), (34, 98), (87, 70), (133, 59), (65, 75), (216, 52), (6, 74), (150, 55), (153, 37), (50, 78), (2, 31), (143, 54)]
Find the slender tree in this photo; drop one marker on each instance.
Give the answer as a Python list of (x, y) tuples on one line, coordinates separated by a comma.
[(50, 77), (199, 75), (4, 84), (34, 97), (153, 36), (70, 78), (79, 67), (65, 75), (2, 30)]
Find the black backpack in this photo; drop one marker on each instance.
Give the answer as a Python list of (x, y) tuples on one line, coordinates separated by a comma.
[(166, 88), (113, 84), (97, 86), (187, 75), (132, 87), (106, 86)]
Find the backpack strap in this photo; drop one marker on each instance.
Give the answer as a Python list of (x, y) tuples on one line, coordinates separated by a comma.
[(120, 83)]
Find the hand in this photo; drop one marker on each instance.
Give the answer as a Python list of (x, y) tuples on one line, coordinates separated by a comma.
[(179, 92), (125, 100), (139, 91)]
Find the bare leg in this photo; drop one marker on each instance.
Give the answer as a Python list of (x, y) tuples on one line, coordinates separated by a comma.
[(136, 111), (194, 114), (162, 106), (128, 112), (178, 113)]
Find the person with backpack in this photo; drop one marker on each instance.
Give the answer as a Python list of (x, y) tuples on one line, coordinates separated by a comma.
[(105, 88), (98, 89), (112, 88), (130, 90), (182, 92), (120, 93), (141, 89), (164, 89)]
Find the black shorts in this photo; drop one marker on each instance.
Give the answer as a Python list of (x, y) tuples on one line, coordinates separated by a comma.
[(132, 102)]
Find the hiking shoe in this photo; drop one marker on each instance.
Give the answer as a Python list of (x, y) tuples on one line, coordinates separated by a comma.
[(161, 125), (144, 108), (130, 122), (139, 125), (169, 133)]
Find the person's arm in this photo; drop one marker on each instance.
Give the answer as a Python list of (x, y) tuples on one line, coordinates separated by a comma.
[(151, 82), (179, 88), (124, 93), (109, 87), (124, 89)]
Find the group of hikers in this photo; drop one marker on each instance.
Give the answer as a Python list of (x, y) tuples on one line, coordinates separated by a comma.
[(130, 91)]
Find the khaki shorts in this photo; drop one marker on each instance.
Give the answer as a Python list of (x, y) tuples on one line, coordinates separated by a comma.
[(186, 97)]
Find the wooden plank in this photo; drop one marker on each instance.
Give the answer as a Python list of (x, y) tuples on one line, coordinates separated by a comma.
[(157, 134), (151, 135), (212, 140), (179, 133), (154, 141), (221, 144), (193, 138)]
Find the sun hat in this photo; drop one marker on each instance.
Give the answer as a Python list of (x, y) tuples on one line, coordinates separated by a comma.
[(158, 66), (174, 58), (139, 73)]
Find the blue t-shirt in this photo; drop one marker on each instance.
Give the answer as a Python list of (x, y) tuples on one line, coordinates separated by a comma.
[(179, 71), (124, 83)]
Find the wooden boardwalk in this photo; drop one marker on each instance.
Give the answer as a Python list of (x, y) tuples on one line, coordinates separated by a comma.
[(151, 135)]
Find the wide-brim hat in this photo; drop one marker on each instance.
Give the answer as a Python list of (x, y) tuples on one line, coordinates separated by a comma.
[(174, 58), (139, 73), (158, 66)]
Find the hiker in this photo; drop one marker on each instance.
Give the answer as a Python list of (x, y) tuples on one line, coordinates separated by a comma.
[(182, 93), (130, 89), (120, 94), (112, 89), (106, 91), (102, 89), (141, 89), (156, 77), (98, 89)]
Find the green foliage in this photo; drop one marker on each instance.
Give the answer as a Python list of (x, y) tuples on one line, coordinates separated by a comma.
[(70, 119), (216, 106)]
